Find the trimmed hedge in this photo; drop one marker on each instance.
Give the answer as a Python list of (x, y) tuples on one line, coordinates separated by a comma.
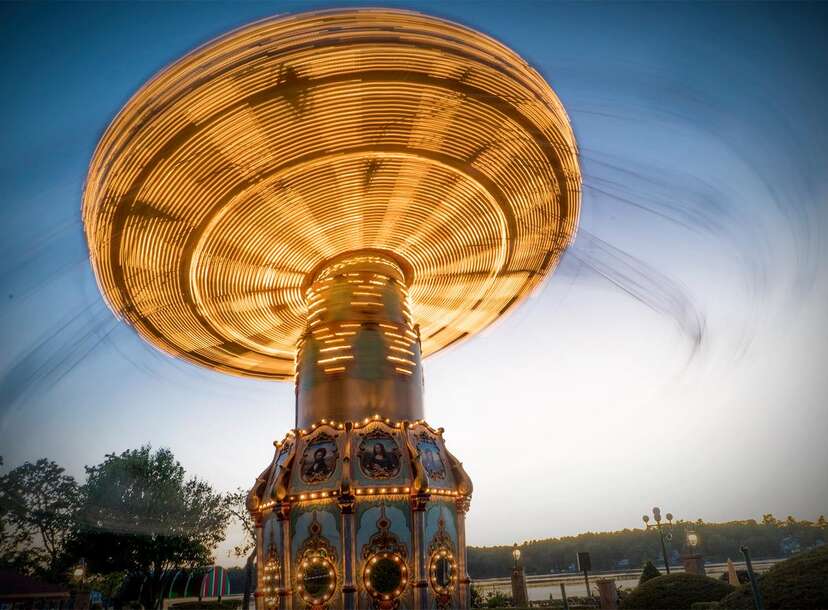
[(648, 573), (800, 582), (675, 592)]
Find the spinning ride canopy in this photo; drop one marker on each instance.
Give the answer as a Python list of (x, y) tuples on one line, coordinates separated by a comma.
[(233, 175)]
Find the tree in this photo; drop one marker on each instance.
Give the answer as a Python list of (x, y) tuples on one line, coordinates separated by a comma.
[(39, 504), (235, 503), (13, 541), (109, 585), (634, 546), (649, 571), (790, 521), (142, 515)]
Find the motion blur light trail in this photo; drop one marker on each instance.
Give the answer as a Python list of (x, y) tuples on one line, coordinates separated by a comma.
[(686, 200), (240, 169)]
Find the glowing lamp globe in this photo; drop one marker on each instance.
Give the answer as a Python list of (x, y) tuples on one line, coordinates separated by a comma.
[(692, 539), (329, 197)]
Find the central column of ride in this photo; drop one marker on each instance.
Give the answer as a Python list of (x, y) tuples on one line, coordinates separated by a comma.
[(360, 354), (362, 506)]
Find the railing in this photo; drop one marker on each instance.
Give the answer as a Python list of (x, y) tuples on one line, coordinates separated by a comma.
[(574, 581)]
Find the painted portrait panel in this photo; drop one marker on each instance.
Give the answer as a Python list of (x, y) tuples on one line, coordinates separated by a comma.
[(431, 459), (379, 455), (319, 459)]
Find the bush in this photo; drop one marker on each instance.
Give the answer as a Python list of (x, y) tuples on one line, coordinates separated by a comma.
[(649, 571), (476, 598), (800, 582), (676, 592), (498, 600)]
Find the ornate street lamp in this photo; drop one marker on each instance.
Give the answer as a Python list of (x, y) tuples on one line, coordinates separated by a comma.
[(693, 560), (81, 595), (520, 594), (79, 571), (664, 533)]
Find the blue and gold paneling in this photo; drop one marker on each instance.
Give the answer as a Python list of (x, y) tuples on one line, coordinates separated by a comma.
[(371, 514)]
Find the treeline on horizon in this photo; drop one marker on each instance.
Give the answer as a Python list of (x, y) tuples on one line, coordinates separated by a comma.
[(718, 542)]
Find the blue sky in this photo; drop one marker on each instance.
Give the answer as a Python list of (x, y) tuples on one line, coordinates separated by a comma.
[(676, 357)]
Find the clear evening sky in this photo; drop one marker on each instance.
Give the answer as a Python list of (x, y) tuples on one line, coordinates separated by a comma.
[(676, 358)]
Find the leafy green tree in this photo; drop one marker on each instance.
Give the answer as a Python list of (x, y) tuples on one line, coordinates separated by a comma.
[(235, 503), (14, 543), (108, 585), (769, 519), (141, 514), (38, 504), (649, 571)]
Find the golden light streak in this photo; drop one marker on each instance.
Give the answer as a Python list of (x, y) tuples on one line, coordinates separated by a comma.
[(231, 176)]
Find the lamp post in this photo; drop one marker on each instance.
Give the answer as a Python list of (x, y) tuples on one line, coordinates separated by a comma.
[(81, 601), (79, 572), (520, 595), (693, 560), (663, 535)]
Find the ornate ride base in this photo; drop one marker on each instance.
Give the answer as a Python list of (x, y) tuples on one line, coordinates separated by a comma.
[(342, 523), (366, 511)]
